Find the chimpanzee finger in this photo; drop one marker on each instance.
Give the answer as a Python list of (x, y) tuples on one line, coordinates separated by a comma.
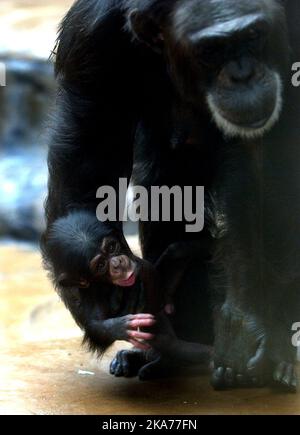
[(118, 370), (113, 366), (256, 363), (142, 316), (140, 335), (139, 345), (141, 323), (116, 365)]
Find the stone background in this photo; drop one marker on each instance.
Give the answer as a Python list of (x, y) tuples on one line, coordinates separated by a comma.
[(27, 37)]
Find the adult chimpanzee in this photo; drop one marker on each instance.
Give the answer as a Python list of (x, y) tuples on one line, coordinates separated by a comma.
[(198, 86)]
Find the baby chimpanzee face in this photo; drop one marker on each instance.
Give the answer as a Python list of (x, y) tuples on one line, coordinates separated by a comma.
[(114, 263)]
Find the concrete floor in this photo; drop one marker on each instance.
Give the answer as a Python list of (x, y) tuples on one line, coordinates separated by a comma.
[(43, 367)]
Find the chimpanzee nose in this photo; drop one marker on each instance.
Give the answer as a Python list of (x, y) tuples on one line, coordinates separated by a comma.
[(115, 262), (241, 70)]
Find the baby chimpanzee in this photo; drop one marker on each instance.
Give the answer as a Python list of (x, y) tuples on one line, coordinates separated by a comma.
[(101, 276)]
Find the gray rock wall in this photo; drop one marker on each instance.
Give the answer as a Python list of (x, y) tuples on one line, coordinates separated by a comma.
[(25, 103)]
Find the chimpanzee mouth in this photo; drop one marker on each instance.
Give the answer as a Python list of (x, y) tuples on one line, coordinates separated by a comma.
[(128, 282), (255, 124), (250, 128)]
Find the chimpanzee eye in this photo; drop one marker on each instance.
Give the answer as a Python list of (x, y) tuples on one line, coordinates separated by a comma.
[(98, 264), (253, 34), (211, 54), (101, 265), (255, 38), (112, 247)]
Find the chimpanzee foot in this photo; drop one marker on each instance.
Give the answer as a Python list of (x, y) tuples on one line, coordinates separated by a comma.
[(156, 369), (227, 378), (285, 376), (273, 363), (240, 353), (283, 356), (127, 363), (253, 374)]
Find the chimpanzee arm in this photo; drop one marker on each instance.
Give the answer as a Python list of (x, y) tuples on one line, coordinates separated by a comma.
[(150, 280), (162, 279), (100, 331), (88, 315), (179, 351), (191, 353), (182, 253), (92, 142), (174, 262)]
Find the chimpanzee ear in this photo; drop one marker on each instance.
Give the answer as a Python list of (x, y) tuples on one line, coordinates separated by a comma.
[(146, 30), (64, 280)]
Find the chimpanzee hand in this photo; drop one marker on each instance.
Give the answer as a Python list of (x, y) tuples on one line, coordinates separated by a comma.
[(156, 362), (164, 339), (127, 328)]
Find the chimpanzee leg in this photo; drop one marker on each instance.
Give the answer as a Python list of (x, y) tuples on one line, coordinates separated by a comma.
[(281, 350), (239, 274), (158, 368), (257, 266), (135, 362)]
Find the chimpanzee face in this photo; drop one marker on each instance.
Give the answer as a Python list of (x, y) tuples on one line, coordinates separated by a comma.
[(114, 264), (229, 56), (111, 263)]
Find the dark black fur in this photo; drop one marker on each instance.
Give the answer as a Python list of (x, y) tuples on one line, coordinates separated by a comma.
[(71, 244), (120, 84), (104, 310)]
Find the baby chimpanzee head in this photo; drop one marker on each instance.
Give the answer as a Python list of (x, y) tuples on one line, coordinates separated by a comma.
[(84, 250)]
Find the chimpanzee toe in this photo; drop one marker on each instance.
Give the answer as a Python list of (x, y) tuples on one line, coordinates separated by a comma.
[(120, 365), (227, 378), (285, 376), (113, 366), (218, 378)]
